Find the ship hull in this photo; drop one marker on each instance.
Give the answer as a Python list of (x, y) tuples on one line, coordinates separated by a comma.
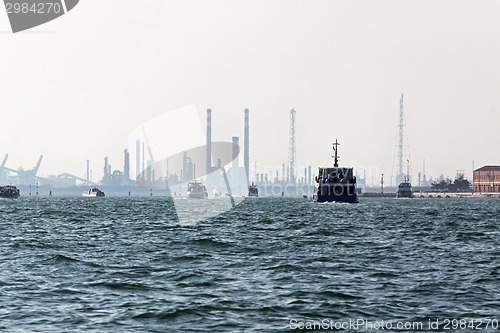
[(9, 196), (347, 198), (93, 195), (197, 196)]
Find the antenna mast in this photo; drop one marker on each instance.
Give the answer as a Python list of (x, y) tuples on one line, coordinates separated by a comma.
[(291, 149), (335, 156), (401, 130)]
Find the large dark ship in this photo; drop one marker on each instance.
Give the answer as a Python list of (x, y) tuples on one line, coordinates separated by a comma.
[(9, 192), (335, 184)]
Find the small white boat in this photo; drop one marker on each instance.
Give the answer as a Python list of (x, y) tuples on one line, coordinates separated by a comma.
[(216, 193), (196, 190), (93, 192)]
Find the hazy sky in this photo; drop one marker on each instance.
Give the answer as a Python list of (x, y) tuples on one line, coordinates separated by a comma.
[(74, 89)]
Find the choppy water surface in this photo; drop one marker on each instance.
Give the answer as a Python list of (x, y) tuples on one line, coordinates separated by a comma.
[(128, 265)]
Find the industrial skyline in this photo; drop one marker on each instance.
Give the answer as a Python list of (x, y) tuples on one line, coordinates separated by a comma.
[(286, 173), (341, 65)]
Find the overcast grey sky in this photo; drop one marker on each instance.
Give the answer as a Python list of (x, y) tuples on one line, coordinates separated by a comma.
[(74, 89)]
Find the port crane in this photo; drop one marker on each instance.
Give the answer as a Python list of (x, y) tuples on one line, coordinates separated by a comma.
[(25, 177)]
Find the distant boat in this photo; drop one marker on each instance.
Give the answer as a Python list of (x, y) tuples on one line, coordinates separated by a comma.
[(404, 189), (216, 193), (93, 192), (9, 192), (253, 191), (335, 184), (196, 190)]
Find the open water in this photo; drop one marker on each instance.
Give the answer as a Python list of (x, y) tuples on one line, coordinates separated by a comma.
[(269, 265)]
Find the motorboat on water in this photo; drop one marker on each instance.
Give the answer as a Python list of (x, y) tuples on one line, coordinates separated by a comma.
[(196, 190), (93, 192), (335, 184), (253, 191), (9, 192), (216, 193), (404, 188)]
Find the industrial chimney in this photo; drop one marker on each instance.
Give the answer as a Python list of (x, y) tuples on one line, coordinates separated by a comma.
[(126, 166), (107, 174), (235, 165), (209, 141), (88, 172), (247, 148), (137, 159)]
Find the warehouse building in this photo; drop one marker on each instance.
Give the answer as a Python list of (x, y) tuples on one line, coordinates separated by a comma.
[(487, 179)]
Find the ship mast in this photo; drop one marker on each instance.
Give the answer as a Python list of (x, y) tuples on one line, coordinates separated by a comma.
[(335, 157), (407, 178)]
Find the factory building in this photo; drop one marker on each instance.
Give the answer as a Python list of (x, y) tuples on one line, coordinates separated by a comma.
[(487, 179)]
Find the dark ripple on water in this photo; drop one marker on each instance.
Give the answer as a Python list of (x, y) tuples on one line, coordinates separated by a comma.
[(127, 265)]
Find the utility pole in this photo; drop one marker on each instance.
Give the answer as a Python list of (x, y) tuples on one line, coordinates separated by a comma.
[(256, 174), (382, 184)]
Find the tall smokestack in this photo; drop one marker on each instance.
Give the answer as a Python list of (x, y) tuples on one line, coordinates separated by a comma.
[(236, 163), (236, 150), (106, 170), (209, 140), (88, 172), (247, 146), (137, 159), (184, 166), (126, 164)]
